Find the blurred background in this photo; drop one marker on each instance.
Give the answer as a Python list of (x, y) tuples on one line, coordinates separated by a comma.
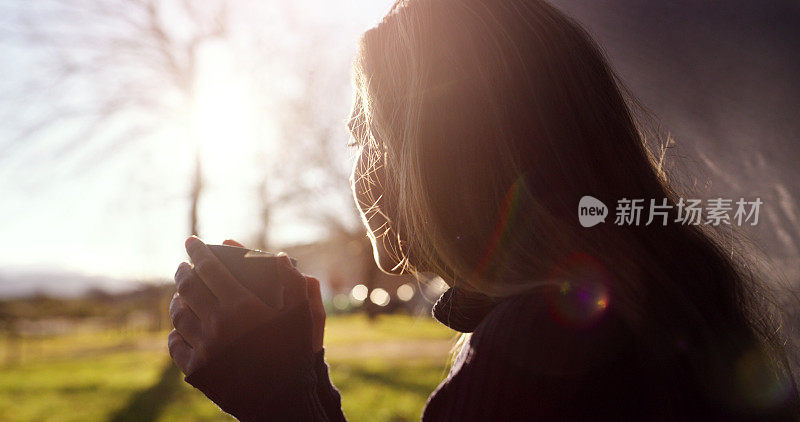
[(126, 125)]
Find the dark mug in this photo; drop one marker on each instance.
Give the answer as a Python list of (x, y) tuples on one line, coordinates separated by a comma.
[(255, 270)]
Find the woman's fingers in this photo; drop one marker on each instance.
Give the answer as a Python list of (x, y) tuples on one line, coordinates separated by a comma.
[(317, 312), (212, 309), (315, 298), (179, 351), (214, 274), (185, 321), (294, 283), (194, 292), (231, 242)]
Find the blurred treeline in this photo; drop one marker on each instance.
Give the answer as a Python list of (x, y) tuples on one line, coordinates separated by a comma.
[(114, 309), (143, 309)]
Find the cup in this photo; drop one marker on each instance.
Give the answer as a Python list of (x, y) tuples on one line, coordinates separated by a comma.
[(255, 270)]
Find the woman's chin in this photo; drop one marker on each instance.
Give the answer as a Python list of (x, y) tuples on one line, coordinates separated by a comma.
[(388, 266), (385, 263)]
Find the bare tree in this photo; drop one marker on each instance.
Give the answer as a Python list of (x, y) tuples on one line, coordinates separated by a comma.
[(119, 59), (310, 168), (135, 64)]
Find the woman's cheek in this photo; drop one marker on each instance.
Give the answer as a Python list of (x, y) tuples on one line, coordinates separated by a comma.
[(374, 222), (357, 185)]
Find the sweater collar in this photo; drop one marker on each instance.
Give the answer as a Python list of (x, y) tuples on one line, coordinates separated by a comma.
[(462, 310)]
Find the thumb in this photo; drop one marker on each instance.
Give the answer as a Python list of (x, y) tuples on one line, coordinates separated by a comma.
[(231, 242)]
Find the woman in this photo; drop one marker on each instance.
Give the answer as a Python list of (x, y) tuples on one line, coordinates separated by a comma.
[(479, 126)]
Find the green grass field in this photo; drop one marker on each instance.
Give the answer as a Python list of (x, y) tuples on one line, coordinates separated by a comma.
[(385, 372)]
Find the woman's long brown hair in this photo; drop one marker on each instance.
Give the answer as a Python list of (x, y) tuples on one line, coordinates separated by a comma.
[(485, 123)]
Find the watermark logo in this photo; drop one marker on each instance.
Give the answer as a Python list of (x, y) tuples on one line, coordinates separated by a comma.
[(591, 211), (629, 212)]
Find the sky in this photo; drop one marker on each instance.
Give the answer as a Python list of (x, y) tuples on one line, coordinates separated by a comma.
[(122, 212)]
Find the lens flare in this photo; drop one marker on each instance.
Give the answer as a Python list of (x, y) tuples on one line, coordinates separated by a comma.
[(758, 383), (504, 224), (583, 297)]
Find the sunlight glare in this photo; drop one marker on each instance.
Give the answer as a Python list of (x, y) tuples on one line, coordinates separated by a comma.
[(224, 114)]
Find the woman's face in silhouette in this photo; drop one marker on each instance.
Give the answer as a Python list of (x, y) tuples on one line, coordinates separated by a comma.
[(366, 182)]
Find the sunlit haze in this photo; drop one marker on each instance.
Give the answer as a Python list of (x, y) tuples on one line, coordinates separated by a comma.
[(120, 209)]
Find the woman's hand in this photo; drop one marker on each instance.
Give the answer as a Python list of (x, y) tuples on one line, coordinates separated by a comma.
[(212, 309)]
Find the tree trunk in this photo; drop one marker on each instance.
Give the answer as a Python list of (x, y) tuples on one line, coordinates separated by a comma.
[(197, 187)]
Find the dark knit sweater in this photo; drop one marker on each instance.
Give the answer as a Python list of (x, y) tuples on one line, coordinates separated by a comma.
[(527, 359)]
